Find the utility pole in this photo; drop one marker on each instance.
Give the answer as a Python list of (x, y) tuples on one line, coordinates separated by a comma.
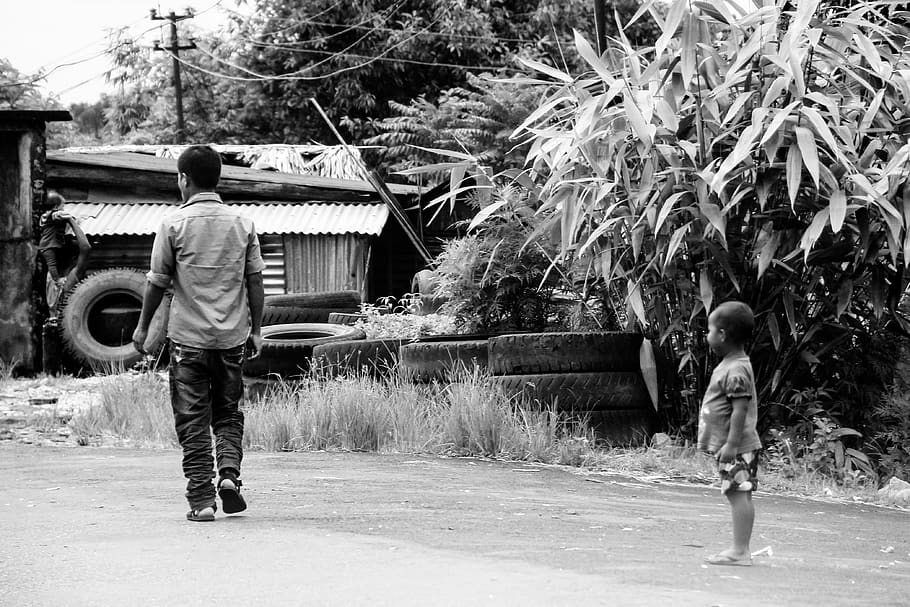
[(175, 47), (600, 23)]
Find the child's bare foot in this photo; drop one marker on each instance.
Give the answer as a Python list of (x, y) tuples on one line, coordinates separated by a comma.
[(730, 557)]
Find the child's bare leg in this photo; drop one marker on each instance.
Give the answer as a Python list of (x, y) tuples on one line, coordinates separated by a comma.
[(743, 519)]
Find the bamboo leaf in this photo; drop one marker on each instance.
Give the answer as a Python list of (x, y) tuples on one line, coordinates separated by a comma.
[(431, 168), (485, 213), (774, 329), (637, 120), (844, 296), (812, 233), (674, 18), (705, 290), (667, 208), (642, 9), (546, 69), (838, 207), (688, 45), (805, 138), (648, 365), (821, 127), (794, 172), (787, 298), (636, 302), (869, 51), (588, 54), (675, 242), (871, 111), (768, 250), (779, 117), (738, 103), (716, 218), (805, 10)]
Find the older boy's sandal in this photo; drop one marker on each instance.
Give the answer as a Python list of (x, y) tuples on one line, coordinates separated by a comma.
[(229, 492), (202, 515), (723, 559)]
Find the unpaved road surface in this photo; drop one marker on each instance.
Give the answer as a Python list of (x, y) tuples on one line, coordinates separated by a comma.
[(98, 526)]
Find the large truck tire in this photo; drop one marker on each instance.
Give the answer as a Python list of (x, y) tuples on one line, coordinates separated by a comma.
[(327, 299), (375, 357), (564, 352), (98, 317), (425, 361), (283, 315), (287, 349), (605, 391)]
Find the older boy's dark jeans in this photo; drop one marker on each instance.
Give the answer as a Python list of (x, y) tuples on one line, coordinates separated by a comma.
[(206, 390)]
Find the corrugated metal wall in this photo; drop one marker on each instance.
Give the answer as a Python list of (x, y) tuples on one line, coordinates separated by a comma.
[(326, 262), (272, 250), (134, 252)]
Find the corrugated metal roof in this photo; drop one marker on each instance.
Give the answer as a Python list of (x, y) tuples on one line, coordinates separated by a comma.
[(99, 219)]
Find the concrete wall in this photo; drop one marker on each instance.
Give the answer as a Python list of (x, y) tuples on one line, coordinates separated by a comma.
[(21, 203)]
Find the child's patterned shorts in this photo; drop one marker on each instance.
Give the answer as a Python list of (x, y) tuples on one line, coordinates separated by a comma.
[(741, 474)]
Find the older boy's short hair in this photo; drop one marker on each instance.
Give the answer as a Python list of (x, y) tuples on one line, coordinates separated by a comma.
[(201, 164), (736, 319)]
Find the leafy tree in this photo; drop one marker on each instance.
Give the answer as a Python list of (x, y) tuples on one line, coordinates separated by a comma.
[(753, 154), (19, 90), (478, 118)]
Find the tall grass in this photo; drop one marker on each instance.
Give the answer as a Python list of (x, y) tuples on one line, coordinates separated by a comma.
[(133, 409), (464, 416)]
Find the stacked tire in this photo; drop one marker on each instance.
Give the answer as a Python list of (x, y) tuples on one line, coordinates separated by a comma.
[(287, 351), (373, 357), (290, 308), (592, 377), (443, 357)]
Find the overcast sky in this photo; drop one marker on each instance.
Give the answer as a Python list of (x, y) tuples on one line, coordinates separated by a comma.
[(36, 34)]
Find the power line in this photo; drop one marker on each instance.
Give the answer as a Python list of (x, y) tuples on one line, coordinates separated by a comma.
[(368, 61), (361, 26), (294, 76)]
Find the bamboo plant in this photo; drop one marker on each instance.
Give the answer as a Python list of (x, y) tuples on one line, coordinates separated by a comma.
[(755, 151)]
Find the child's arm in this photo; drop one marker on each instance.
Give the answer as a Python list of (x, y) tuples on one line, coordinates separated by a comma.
[(730, 449)]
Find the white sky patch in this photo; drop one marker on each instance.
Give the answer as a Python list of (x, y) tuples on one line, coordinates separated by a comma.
[(36, 34)]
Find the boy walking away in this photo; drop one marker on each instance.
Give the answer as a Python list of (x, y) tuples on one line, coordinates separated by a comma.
[(210, 254), (727, 423), (52, 247)]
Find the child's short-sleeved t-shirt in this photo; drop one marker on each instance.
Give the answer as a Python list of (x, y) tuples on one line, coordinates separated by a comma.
[(732, 378)]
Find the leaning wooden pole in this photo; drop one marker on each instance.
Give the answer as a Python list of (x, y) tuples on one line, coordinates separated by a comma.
[(381, 188)]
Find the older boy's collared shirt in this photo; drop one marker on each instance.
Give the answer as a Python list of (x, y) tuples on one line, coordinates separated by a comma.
[(731, 379), (205, 250)]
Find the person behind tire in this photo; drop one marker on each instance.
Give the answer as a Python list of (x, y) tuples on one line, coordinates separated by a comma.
[(210, 253), (61, 275)]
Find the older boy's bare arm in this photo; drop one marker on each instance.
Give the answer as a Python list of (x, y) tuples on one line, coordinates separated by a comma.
[(730, 449), (256, 299)]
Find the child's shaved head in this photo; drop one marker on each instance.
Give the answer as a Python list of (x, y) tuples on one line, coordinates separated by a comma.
[(55, 200), (736, 320)]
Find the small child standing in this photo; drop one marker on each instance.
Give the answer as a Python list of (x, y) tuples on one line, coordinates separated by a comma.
[(727, 423)]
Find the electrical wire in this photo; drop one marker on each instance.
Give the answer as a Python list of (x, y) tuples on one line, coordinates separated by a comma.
[(294, 75), (482, 68), (437, 34)]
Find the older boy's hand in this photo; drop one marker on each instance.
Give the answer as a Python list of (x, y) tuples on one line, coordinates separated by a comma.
[(253, 345), (139, 337), (727, 453)]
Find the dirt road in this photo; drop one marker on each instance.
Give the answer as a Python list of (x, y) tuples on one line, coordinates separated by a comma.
[(87, 526)]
